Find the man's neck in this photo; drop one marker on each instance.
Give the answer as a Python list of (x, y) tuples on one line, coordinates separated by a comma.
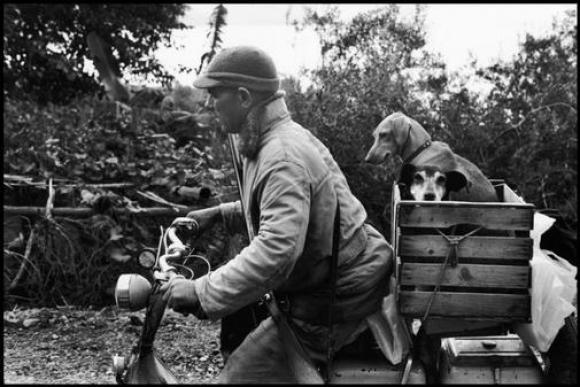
[(258, 121)]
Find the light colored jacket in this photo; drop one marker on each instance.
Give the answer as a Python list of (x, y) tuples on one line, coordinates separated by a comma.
[(289, 194)]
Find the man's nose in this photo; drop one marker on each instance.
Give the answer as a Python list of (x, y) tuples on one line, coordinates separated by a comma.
[(429, 196)]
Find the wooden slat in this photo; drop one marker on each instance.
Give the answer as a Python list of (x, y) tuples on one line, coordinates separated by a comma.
[(471, 247), (449, 327), (495, 216), (466, 275), (480, 305)]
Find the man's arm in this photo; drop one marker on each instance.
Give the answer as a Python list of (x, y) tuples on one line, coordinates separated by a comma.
[(232, 217), (272, 254)]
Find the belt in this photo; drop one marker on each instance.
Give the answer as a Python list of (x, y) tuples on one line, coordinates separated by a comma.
[(313, 309)]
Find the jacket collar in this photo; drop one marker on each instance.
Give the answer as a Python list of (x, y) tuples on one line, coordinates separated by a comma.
[(274, 112)]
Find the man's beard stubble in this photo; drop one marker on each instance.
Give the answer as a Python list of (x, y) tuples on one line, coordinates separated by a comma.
[(249, 135), (250, 130)]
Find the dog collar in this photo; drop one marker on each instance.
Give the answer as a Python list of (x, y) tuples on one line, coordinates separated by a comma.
[(425, 145)]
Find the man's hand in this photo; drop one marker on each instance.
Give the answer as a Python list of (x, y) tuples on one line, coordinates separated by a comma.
[(180, 295), (205, 218)]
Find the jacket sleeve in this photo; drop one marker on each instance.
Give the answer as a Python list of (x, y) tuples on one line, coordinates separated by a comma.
[(232, 216), (272, 254)]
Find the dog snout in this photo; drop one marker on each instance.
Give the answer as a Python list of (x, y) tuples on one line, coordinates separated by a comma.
[(371, 156), (429, 197)]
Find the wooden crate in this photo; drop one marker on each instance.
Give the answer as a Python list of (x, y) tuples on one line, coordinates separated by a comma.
[(488, 360), (492, 278)]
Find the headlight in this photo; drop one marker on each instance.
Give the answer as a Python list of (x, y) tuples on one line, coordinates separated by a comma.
[(147, 259)]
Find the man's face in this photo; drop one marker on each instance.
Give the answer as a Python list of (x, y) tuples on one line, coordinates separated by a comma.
[(230, 107)]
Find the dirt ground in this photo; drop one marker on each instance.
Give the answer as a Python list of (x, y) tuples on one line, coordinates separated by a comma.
[(67, 345)]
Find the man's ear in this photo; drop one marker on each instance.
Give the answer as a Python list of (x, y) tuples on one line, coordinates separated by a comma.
[(407, 172), (455, 181), (246, 98)]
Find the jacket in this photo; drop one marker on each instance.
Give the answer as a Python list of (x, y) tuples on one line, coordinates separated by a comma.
[(290, 190)]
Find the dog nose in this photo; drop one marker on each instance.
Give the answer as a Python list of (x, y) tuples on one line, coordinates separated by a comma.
[(429, 197)]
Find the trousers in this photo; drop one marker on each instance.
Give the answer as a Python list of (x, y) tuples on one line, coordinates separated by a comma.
[(261, 358)]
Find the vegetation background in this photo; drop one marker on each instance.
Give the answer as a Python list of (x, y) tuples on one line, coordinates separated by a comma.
[(59, 125)]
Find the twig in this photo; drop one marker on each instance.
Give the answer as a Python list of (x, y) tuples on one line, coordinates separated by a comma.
[(24, 260), (516, 126), (87, 212), (50, 201)]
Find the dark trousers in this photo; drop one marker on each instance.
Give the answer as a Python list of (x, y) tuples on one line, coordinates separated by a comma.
[(261, 358)]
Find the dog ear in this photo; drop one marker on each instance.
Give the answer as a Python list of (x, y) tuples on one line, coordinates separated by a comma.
[(406, 175), (455, 181)]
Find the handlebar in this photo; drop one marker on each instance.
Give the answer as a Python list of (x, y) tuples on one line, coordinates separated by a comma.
[(174, 251)]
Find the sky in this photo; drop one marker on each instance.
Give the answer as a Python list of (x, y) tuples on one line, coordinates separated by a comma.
[(459, 32)]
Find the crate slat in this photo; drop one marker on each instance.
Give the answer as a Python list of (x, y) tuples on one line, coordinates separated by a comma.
[(497, 216), (477, 305), (471, 247), (449, 327), (466, 275)]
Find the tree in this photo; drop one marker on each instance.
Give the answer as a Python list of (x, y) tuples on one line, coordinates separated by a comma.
[(371, 66), (45, 45), (532, 118), (217, 23)]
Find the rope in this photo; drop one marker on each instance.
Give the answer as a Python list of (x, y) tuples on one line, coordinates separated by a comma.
[(453, 245)]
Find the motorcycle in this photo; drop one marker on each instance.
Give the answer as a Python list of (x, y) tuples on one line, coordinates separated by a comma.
[(135, 292), (473, 359)]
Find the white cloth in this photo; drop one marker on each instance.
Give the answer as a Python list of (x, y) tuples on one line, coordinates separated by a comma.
[(553, 291)]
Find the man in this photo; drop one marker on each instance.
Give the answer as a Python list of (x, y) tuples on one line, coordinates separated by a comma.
[(290, 189)]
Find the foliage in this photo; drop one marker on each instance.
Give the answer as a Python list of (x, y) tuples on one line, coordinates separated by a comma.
[(87, 142), (533, 118), (524, 131), (45, 45), (366, 74)]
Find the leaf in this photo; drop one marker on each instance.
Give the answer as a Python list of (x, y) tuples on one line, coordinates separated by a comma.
[(116, 233), (117, 255), (88, 197)]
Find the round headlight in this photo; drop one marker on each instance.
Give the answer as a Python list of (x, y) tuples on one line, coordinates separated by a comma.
[(147, 259)]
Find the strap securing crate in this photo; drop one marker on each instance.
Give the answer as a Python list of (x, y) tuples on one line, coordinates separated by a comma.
[(451, 259)]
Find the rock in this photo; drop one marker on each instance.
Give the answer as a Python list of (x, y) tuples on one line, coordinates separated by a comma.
[(54, 337), (27, 323)]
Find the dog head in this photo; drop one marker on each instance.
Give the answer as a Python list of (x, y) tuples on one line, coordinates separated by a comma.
[(392, 135), (387, 137), (430, 183)]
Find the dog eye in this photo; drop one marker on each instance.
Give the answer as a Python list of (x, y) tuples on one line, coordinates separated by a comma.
[(441, 180), (418, 178)]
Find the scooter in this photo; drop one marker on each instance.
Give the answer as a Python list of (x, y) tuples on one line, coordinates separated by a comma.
[(135, 292), (500, 359)]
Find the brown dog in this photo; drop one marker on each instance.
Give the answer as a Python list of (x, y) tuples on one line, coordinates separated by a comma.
[(429, 183), (403, 136)]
